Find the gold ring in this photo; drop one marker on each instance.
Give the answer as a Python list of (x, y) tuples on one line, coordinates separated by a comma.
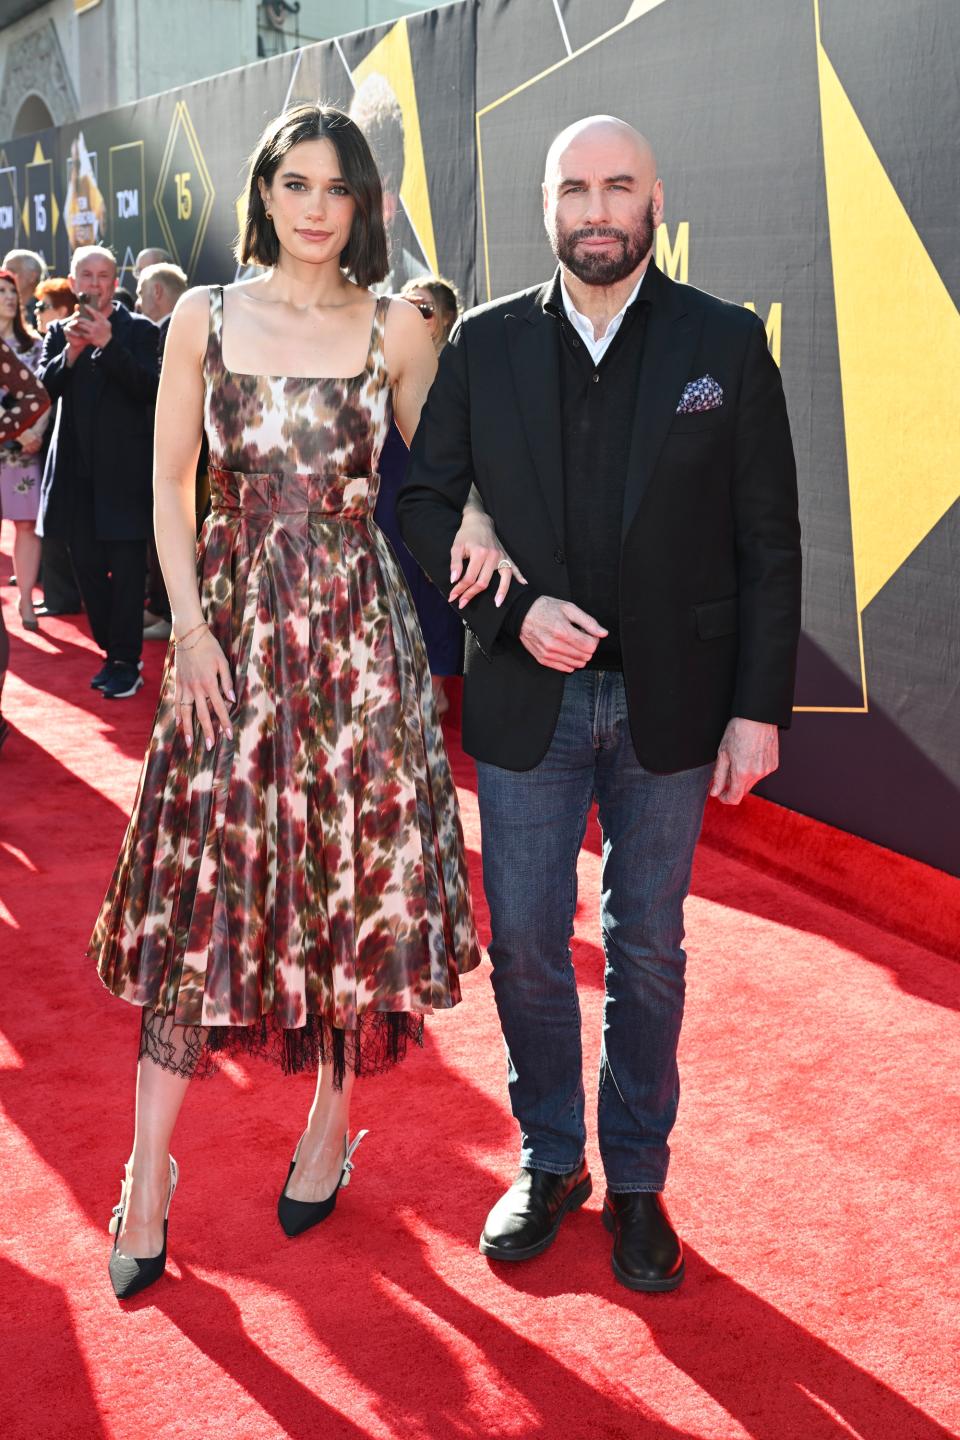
[(505, 565)]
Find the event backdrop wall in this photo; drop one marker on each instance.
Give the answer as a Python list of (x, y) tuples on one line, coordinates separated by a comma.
[(807, 155)]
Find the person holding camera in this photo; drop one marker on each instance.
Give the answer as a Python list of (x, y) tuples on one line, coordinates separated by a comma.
[(101, 369)]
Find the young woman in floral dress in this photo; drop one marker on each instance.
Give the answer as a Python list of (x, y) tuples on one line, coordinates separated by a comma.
[(293, 880)]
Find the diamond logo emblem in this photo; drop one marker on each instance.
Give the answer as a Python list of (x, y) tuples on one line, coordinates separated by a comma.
[(184, 195)]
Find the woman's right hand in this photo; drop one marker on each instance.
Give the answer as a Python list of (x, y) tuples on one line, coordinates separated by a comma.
[(203, 686)]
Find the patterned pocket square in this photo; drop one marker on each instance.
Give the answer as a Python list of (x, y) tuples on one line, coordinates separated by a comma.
[(703, 394)]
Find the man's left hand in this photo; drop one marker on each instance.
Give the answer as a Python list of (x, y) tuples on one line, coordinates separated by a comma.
[(96, 329), (748, 751)]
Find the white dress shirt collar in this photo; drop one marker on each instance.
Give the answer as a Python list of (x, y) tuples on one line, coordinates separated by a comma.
[(584, 327)]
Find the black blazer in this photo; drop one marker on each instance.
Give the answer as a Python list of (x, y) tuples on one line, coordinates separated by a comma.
[(710, 561), (117, 394)]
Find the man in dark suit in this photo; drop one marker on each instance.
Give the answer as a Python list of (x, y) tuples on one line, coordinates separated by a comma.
[(629, 438), (100, 368)]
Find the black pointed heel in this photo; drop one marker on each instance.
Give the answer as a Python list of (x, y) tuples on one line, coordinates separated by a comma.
[(296, 1216), (128, 1275)]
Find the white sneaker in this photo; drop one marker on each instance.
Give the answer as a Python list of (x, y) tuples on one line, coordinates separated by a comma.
[(159, 630)]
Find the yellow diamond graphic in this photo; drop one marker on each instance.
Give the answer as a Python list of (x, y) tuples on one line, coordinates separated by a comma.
[(41, 226), (184, 195)]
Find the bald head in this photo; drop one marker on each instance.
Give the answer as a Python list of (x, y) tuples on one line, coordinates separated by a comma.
[(608, 134), (153, 255), (602, 200)]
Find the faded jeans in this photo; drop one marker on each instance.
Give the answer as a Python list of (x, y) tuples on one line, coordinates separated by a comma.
[(533, 824)]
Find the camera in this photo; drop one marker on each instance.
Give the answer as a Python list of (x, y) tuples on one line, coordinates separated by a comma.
[(83, 305)]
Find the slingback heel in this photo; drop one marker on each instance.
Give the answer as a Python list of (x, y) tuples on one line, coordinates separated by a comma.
[(130, 1275), (296, 1216)]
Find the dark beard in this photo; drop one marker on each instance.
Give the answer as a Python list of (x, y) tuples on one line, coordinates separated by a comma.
[(608, 269)]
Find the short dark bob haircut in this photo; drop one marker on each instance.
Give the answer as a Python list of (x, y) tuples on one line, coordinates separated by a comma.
[(365, 256)]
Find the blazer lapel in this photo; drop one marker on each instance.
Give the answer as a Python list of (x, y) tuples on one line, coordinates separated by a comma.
[(533, 346), (668, 350)]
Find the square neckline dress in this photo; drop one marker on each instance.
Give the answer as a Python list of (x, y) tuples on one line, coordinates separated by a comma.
[(302, 889)]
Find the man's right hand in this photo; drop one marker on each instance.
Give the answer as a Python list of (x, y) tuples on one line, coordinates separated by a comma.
[(75, 335), (560, 635)]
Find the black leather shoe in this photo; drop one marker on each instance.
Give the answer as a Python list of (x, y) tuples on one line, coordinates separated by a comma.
[(525, 1221), (647, 1251)]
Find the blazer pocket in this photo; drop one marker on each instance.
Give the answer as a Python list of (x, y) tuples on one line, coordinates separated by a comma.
[(697, 420), (717, 617)]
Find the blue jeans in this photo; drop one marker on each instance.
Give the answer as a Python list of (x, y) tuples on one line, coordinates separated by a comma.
[(533, 824)]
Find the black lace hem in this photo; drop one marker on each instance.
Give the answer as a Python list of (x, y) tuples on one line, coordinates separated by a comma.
[(196, 1051)]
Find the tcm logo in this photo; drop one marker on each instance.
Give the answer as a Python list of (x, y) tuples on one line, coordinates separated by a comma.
[(128, 204), (6, 217)]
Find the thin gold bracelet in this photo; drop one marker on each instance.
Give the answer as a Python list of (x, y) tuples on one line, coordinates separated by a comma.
[(180, 640), (195, 643)]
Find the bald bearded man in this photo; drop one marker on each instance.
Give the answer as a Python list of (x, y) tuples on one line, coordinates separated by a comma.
[(629, 437)]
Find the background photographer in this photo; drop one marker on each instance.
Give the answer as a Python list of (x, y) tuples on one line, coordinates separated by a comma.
[(100, 367)]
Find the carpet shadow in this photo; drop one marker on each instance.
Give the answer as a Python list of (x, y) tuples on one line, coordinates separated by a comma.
[(41, 1359), (927, 974), (434, 1396), (210, 1319), (67, 675), (385, 1251), (773, 1376), (370, 1266)]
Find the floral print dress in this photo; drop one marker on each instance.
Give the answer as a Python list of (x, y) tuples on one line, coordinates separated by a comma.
[(301, 888)]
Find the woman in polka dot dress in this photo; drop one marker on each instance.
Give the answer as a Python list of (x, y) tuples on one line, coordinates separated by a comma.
[(20, 463)]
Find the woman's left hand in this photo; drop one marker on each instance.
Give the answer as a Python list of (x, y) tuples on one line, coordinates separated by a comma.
[(475, 557), (30, 441)]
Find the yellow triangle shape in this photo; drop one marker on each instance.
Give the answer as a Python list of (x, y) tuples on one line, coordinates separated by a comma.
[(899, 340), (391, 59)]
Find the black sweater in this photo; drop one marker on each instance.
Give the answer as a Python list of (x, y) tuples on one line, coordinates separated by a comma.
[(597, 405)]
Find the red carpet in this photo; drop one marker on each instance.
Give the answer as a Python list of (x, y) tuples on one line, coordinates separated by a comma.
[(814, 1171)]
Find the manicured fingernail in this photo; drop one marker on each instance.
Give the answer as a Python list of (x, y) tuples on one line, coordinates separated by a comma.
[(229, 733), (499, 601), (209, 743), (453, 574)]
